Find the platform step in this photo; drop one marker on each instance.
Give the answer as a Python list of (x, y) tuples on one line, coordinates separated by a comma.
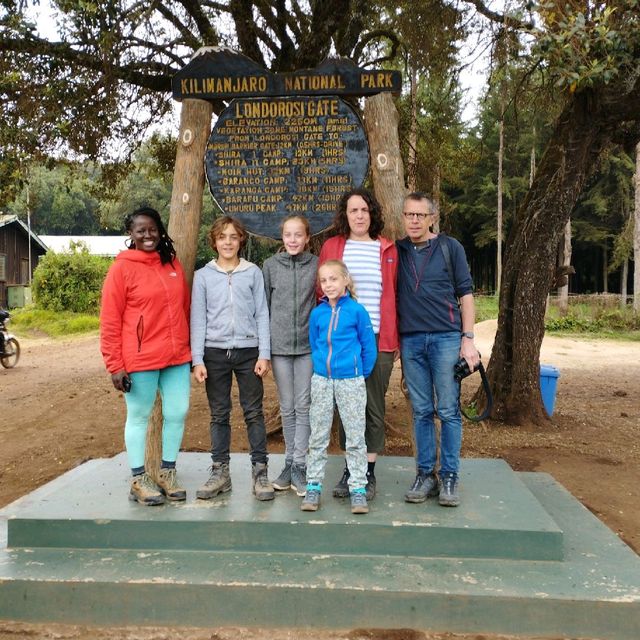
[(498, 518), (594, 592)]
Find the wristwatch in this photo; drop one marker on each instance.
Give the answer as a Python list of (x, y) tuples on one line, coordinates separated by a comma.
[(467, 334)]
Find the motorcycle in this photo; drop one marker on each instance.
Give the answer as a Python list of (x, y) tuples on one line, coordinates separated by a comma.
[(9, 346)]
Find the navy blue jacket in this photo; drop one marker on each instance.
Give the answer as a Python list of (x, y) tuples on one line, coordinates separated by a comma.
[(426, 300), (343, 344)]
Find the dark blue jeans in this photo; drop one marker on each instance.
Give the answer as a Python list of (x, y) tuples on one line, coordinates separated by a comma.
[(427, 363), (221, 365)]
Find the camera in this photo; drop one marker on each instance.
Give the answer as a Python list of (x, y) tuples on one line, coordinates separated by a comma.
[(461, 369), (126, 384)]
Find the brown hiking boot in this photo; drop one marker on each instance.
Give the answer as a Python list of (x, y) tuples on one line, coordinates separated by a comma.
[(219, 482), (145, 491), (169, 486), (262, 488)]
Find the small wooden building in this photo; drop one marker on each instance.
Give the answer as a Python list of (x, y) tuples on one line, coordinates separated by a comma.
[(15, 239)]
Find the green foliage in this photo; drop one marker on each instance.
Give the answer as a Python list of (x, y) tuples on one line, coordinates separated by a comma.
[(596, 318), (31, 320), (588, 44), (70, 281), (486, 307)]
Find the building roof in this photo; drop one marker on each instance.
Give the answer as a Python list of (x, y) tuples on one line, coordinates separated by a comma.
[(7, 219), (109, 246)]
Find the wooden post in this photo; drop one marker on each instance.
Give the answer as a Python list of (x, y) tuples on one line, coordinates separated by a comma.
[(381, 124), (184, 224)]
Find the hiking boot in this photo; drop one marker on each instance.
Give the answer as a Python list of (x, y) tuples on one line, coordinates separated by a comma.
[(145, 491), (341, 490), (371, 487), (311, 501), (169, 486), (424, 486), (219, 481), (261, 487), (299, 479), (449, 496), (359, 501), (283, 481)]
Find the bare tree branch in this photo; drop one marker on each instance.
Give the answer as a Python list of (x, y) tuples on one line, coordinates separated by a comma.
[(374, 35), (503, 19), (189, 39), (242, 12), (208, 33)]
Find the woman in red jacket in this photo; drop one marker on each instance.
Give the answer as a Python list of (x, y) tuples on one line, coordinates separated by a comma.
[(372, 261), (144, 339)]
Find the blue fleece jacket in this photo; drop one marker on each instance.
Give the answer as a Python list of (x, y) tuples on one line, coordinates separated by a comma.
[(343, 344), (427, 300)]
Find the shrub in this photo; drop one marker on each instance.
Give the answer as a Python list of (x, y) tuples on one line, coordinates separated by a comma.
[(70, 281)]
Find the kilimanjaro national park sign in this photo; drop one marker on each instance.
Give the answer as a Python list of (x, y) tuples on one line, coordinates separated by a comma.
[(288, 143)]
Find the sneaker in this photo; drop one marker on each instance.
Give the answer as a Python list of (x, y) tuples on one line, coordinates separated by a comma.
[(261, 487), (145, 491), (299, 479), (371, 487), (341, 490), (283, 481), (449, 496), (311, 501), (359, 501), (424, 486), (169, 486), (219, 482)]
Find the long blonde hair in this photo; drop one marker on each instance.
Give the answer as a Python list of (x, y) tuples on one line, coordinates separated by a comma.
[(351, 287)]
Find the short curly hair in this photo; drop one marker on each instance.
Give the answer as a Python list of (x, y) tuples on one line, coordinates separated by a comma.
[(341, 222), (218, 227)]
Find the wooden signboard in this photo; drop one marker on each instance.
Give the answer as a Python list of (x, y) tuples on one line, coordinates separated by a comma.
[(268, 158)]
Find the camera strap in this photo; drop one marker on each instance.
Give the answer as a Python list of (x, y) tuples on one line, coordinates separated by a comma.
[(487, 390)]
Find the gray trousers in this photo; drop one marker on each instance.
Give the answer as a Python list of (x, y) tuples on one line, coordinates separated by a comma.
[(350, 396), (293, 380)]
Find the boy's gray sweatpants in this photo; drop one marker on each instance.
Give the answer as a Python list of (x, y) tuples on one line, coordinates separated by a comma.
[(350, 396)]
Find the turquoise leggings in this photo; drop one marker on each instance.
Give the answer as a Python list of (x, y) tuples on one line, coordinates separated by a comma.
[(174, 384)]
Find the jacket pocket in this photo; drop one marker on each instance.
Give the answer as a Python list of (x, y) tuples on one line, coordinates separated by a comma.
[(140, 332)]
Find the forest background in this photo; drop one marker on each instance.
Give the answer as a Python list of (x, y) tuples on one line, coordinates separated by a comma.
[(550, 157)]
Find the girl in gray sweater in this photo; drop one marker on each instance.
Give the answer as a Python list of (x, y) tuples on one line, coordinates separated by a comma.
[(290, 281)]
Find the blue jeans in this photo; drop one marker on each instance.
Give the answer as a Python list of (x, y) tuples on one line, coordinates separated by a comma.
[(427, 363)]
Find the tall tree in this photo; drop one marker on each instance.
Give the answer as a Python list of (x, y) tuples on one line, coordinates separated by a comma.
[(592, 53)]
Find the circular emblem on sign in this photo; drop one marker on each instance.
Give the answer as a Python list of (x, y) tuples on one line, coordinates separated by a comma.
[(272, 157)]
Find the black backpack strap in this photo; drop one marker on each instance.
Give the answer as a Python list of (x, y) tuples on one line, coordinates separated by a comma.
[(443, 241)]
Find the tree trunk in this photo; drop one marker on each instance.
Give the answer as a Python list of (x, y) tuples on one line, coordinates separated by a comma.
[(565, 251), (571, 155), (605, 268), (636, 237), (184, 224), (435, 196), (381, 124), (412, 165), (499, 215), (623, 283)]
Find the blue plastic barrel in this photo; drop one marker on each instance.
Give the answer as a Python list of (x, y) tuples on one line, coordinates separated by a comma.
[(548, 384)]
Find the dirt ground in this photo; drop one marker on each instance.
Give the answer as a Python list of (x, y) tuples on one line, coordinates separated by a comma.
[(59, 410)]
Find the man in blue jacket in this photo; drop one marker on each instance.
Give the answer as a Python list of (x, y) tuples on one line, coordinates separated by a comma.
[(436, 315)]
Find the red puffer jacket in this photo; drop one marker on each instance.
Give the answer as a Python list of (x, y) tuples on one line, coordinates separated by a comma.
[(144, 319)]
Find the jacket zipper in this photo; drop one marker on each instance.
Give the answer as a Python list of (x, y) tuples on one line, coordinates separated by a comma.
[(233, 323), (295, 308)]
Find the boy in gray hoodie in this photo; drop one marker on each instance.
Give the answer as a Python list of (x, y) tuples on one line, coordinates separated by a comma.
[(230, 335)]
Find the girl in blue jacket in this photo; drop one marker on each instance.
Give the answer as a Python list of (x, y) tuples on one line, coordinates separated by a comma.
[(343, 351)]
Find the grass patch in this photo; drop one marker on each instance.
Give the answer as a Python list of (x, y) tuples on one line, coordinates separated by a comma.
[(32, 322), (594, 321), (486, 307)]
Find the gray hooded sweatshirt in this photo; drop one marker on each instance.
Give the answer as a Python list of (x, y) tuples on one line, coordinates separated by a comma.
[(229, 310), (290, 285)]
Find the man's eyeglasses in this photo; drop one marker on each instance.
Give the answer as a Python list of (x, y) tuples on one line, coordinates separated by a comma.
[(415, 215)]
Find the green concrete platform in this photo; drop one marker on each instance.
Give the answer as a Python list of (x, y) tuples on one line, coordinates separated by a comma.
[(499, 517), (361, 576)]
